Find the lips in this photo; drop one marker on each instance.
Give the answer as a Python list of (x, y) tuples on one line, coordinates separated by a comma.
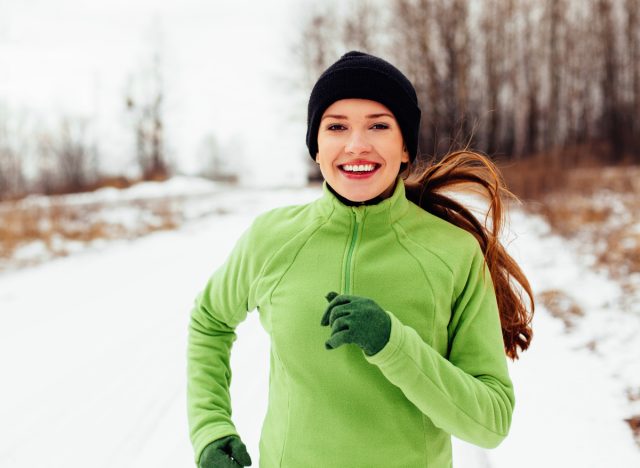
[(359, 169), (359, 162), (359, 165)]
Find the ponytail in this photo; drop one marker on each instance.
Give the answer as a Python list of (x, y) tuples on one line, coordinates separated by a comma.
[(473, 172)]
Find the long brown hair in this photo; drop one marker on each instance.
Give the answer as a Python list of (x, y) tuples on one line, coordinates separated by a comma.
[(470, 171)]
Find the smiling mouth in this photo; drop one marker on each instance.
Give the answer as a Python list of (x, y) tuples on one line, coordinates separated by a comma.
[(359, 169)]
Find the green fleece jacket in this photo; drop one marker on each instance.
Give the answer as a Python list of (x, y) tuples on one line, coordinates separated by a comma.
[(443, 371)]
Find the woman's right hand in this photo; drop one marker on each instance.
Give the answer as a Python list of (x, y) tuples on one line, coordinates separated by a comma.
[(226, 452)]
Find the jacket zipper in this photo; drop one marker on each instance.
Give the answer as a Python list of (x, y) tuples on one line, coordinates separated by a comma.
[(354, 236)]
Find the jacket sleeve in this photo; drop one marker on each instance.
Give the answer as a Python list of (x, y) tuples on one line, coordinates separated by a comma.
[(218, 309), (470, 394)]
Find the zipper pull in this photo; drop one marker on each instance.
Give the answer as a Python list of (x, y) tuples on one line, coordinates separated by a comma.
[(359, 213)]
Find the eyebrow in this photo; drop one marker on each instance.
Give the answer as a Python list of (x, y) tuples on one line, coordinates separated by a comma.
[(370, 116)]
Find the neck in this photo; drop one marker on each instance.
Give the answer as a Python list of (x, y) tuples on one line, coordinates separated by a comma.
[(346, 201)]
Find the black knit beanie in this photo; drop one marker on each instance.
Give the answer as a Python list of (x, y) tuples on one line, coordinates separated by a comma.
[(364, 76)]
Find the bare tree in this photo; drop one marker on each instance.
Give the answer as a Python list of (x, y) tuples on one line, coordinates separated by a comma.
[(609, 79), (493, 29), (580, 44), (12, 150), (214, 165), (144, 100), (632, 11), (527, 64), (415, 46), (77, 154), (68, 158), (555, 21), (318, 47), (319, 44), (360, 26)]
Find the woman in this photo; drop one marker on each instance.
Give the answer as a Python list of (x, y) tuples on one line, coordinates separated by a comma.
[(389, 306)]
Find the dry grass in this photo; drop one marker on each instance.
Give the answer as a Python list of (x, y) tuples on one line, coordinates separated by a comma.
[(601, 207), (534, 177), (634, 424), (57, 223), (118, 182), (561, 306)]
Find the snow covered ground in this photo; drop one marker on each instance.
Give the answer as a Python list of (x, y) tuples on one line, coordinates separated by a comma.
[(93, 354)]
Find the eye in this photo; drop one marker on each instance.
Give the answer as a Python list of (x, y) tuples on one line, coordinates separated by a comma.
[(335, 127), (380, 126)]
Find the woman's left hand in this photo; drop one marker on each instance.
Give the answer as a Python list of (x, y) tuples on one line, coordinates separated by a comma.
[(358, 320)]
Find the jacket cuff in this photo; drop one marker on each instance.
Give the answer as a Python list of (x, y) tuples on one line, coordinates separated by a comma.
[(396, 339), (205, 439)]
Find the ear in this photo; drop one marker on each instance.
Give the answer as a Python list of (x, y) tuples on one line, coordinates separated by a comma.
[(405, 155)]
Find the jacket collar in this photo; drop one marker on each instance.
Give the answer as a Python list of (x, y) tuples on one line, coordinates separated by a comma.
[(381, 214)]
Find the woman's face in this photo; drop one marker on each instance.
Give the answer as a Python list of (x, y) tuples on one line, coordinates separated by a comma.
[(360, 149)]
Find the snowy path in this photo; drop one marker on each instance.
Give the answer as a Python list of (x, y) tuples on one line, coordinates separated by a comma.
[(92, 353)]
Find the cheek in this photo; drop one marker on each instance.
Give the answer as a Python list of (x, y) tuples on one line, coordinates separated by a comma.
[(394, 152), (325, 142), (327, 150), (322, 159)]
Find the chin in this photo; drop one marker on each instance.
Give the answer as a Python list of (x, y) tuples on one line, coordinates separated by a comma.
[(358, 196)]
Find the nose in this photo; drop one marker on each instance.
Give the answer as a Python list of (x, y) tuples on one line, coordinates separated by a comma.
[(357, 143)]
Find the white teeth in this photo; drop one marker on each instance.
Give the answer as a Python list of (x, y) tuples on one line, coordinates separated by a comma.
[(359, 168)]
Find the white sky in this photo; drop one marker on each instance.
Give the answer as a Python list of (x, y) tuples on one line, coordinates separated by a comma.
[(224, 65)]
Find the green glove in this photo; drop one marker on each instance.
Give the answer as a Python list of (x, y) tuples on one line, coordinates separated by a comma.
[(356, 319), (226, 452)]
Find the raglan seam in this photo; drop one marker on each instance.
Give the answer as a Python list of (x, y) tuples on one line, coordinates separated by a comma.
[(425, 248), (256, 282), (427, 279), (290, 264), (454, 293), (435, 254), (240, 308)]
